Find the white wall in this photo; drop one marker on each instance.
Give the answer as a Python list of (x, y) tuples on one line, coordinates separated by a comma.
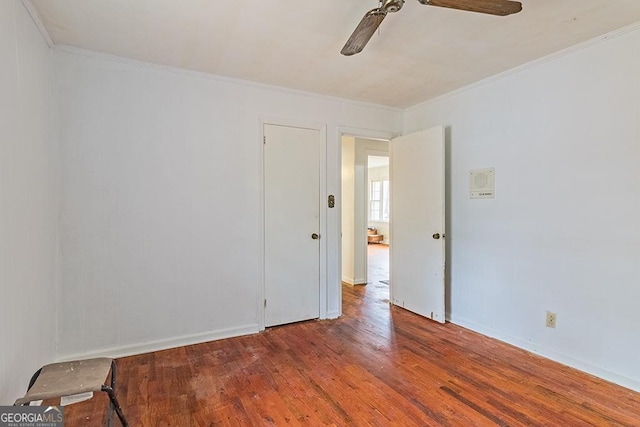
[(379, 174), (563, 233), (161, 200), (348, 209), (28, 245)]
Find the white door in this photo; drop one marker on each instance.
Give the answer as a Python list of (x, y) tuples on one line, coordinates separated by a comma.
[(292, 224), (417, 251)]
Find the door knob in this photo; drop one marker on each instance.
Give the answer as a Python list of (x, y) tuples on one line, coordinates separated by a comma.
[(436, 236), (315, 236)]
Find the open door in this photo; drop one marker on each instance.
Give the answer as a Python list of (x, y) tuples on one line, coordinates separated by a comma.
[(417, 249)]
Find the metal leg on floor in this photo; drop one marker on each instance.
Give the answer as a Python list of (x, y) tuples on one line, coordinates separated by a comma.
[(114, 405)]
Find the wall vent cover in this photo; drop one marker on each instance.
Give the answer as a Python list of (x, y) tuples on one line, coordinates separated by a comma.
[(483, 183)]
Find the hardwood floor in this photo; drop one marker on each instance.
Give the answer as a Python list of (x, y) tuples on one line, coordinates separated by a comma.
[(375, 366), (377, 263)]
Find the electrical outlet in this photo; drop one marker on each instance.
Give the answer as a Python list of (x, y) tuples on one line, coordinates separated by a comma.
[(551, 319)]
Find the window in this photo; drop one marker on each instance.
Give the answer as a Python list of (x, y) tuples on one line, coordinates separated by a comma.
[(379, 200)]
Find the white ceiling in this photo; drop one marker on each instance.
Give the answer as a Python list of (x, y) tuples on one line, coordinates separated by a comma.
[(377, 162), (421, 51)]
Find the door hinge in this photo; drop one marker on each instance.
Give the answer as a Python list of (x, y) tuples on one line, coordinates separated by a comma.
[(264, 139), (265, 303)]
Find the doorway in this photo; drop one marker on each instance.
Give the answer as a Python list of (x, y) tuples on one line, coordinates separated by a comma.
[(378, 217), (362, 157), (417, 255)]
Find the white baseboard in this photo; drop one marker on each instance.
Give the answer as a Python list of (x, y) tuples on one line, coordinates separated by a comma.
[(348, 280), (580, 365), (333, 314), (164, 344), (353, 282)]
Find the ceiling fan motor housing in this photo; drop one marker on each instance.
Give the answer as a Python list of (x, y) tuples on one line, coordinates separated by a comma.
[(392, 5)]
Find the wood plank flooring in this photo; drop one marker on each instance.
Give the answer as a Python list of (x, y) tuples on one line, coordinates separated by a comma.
[(375, 366)]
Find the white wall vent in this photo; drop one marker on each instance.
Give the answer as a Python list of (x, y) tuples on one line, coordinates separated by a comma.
[(483, 183)]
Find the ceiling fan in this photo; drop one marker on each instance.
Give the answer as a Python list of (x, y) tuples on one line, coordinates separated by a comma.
[(372, 19)]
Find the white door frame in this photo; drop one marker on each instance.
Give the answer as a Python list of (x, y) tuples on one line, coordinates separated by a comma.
[(322, 128), (336, 275)]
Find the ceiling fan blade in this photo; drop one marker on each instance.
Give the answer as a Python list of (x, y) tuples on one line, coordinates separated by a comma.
[(492, 7), (363, 32)]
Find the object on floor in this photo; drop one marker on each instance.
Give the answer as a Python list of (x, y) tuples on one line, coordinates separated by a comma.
[(373, 236), (58, 380)]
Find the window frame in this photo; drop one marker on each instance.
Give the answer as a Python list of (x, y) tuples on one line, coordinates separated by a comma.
[(382, 201)]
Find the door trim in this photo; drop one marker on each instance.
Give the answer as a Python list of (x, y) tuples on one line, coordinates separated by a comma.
[(322, 128)]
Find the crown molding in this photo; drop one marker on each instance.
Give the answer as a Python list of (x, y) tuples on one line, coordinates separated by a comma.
[(62, 48), (36, 20), (532, 64)]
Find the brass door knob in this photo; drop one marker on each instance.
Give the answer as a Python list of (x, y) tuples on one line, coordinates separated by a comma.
[(436, 236), (315, 236)]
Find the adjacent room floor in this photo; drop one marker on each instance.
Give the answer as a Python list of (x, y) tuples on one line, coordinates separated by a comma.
[(377, 264), (376, 366)]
